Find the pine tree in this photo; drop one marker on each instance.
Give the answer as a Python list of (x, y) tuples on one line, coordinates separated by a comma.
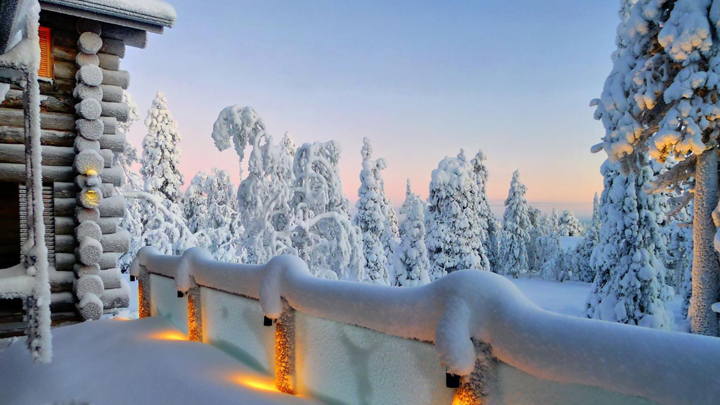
[(453, 221), (195, 209), (585, 248), (411, 259), (370, 217), (661, 96), (516, 226), (161, 152), (634, 278), (569, 225), (487, 228)]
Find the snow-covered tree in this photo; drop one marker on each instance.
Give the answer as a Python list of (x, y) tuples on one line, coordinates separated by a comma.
[(453, 222), (630, 283), (411, 257), (161, 152), (222, 228), (516, 226), (292, 201), (569, 225), (585, 271), (536, 218), (661, 96), (370, 217), (195, 209), (489, 228)]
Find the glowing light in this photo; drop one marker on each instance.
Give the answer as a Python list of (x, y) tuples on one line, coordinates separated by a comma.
[(120, 318), (92, 198), (91, 172), (255, 382), (168, 335)]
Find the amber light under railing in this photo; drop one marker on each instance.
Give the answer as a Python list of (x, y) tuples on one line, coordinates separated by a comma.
[(253, 381), (168, 335)]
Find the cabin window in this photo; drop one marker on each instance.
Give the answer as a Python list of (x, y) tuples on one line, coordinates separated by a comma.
[(46, 59)]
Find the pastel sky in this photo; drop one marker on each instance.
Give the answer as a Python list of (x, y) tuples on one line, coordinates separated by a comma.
[(421, 79)]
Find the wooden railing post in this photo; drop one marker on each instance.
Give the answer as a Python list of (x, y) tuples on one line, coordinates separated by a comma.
[(476, 388), (285, 351), (144, 303), (195, 321)]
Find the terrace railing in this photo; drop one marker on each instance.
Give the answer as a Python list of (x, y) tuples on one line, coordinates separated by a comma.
[(472, 331)]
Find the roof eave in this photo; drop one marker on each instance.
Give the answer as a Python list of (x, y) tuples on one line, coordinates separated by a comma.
[(103, 14)]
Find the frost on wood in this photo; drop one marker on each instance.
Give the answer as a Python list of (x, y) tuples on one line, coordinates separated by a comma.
[(89, 43), (161, 152), (89, 251), (90, 306), (516, 224), (89, 109), (88, 284), (90, 129), (88, 229), (83, 91), (90, 75)]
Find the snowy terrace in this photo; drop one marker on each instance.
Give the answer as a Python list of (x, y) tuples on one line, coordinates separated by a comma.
[(344, 342)]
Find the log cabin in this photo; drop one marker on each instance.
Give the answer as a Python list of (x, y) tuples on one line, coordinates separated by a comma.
[(82, 106)]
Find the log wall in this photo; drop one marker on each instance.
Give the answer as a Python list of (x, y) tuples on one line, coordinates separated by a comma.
[(60, 141)]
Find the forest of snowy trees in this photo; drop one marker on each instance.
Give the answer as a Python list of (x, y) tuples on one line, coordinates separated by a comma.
[(291, 201)]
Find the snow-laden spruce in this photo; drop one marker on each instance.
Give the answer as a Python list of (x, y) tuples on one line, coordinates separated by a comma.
[(516, 227), (411, 266), (489, 228), (210, 209), (371, 219), (161, 152), (569, 225), (453, 222), (584, 251), (629, 286), (661, 96), (291, 201)]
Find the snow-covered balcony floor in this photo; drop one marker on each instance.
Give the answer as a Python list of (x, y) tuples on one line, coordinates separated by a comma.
[(144, 361)]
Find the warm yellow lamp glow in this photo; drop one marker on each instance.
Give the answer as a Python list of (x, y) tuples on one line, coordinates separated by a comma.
[(91, 172), (255, 382), (168, 335), (120, 318), (92, 198)]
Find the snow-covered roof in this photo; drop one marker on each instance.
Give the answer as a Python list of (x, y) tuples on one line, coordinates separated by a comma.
[(149, 15)]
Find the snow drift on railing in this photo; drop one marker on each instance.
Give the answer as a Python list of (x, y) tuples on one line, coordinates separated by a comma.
[(663, 366)]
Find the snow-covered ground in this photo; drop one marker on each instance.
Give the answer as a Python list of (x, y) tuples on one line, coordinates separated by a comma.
[(568, 298), (144, 361)]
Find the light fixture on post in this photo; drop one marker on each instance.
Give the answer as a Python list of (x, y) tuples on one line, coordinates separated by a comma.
[(452, 380), (267, 321), (180, 294), (132, 278)]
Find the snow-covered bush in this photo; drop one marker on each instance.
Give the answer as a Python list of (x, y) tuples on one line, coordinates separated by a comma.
[(411, 257), (161, 152), (516, 226), (453, 223)]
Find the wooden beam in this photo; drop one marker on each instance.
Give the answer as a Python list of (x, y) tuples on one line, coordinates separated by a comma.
[(15, 172), (51, 155), (16, 135), (54, 121)]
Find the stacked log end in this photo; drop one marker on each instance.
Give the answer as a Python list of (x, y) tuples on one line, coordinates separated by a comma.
[(98, 283)]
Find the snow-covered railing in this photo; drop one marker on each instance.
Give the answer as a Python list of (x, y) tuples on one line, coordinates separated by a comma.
[(457, 312)]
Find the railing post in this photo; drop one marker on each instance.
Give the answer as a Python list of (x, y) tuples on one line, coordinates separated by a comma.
[(476, 388), (195, 321), (285, 350), (144, 293)]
